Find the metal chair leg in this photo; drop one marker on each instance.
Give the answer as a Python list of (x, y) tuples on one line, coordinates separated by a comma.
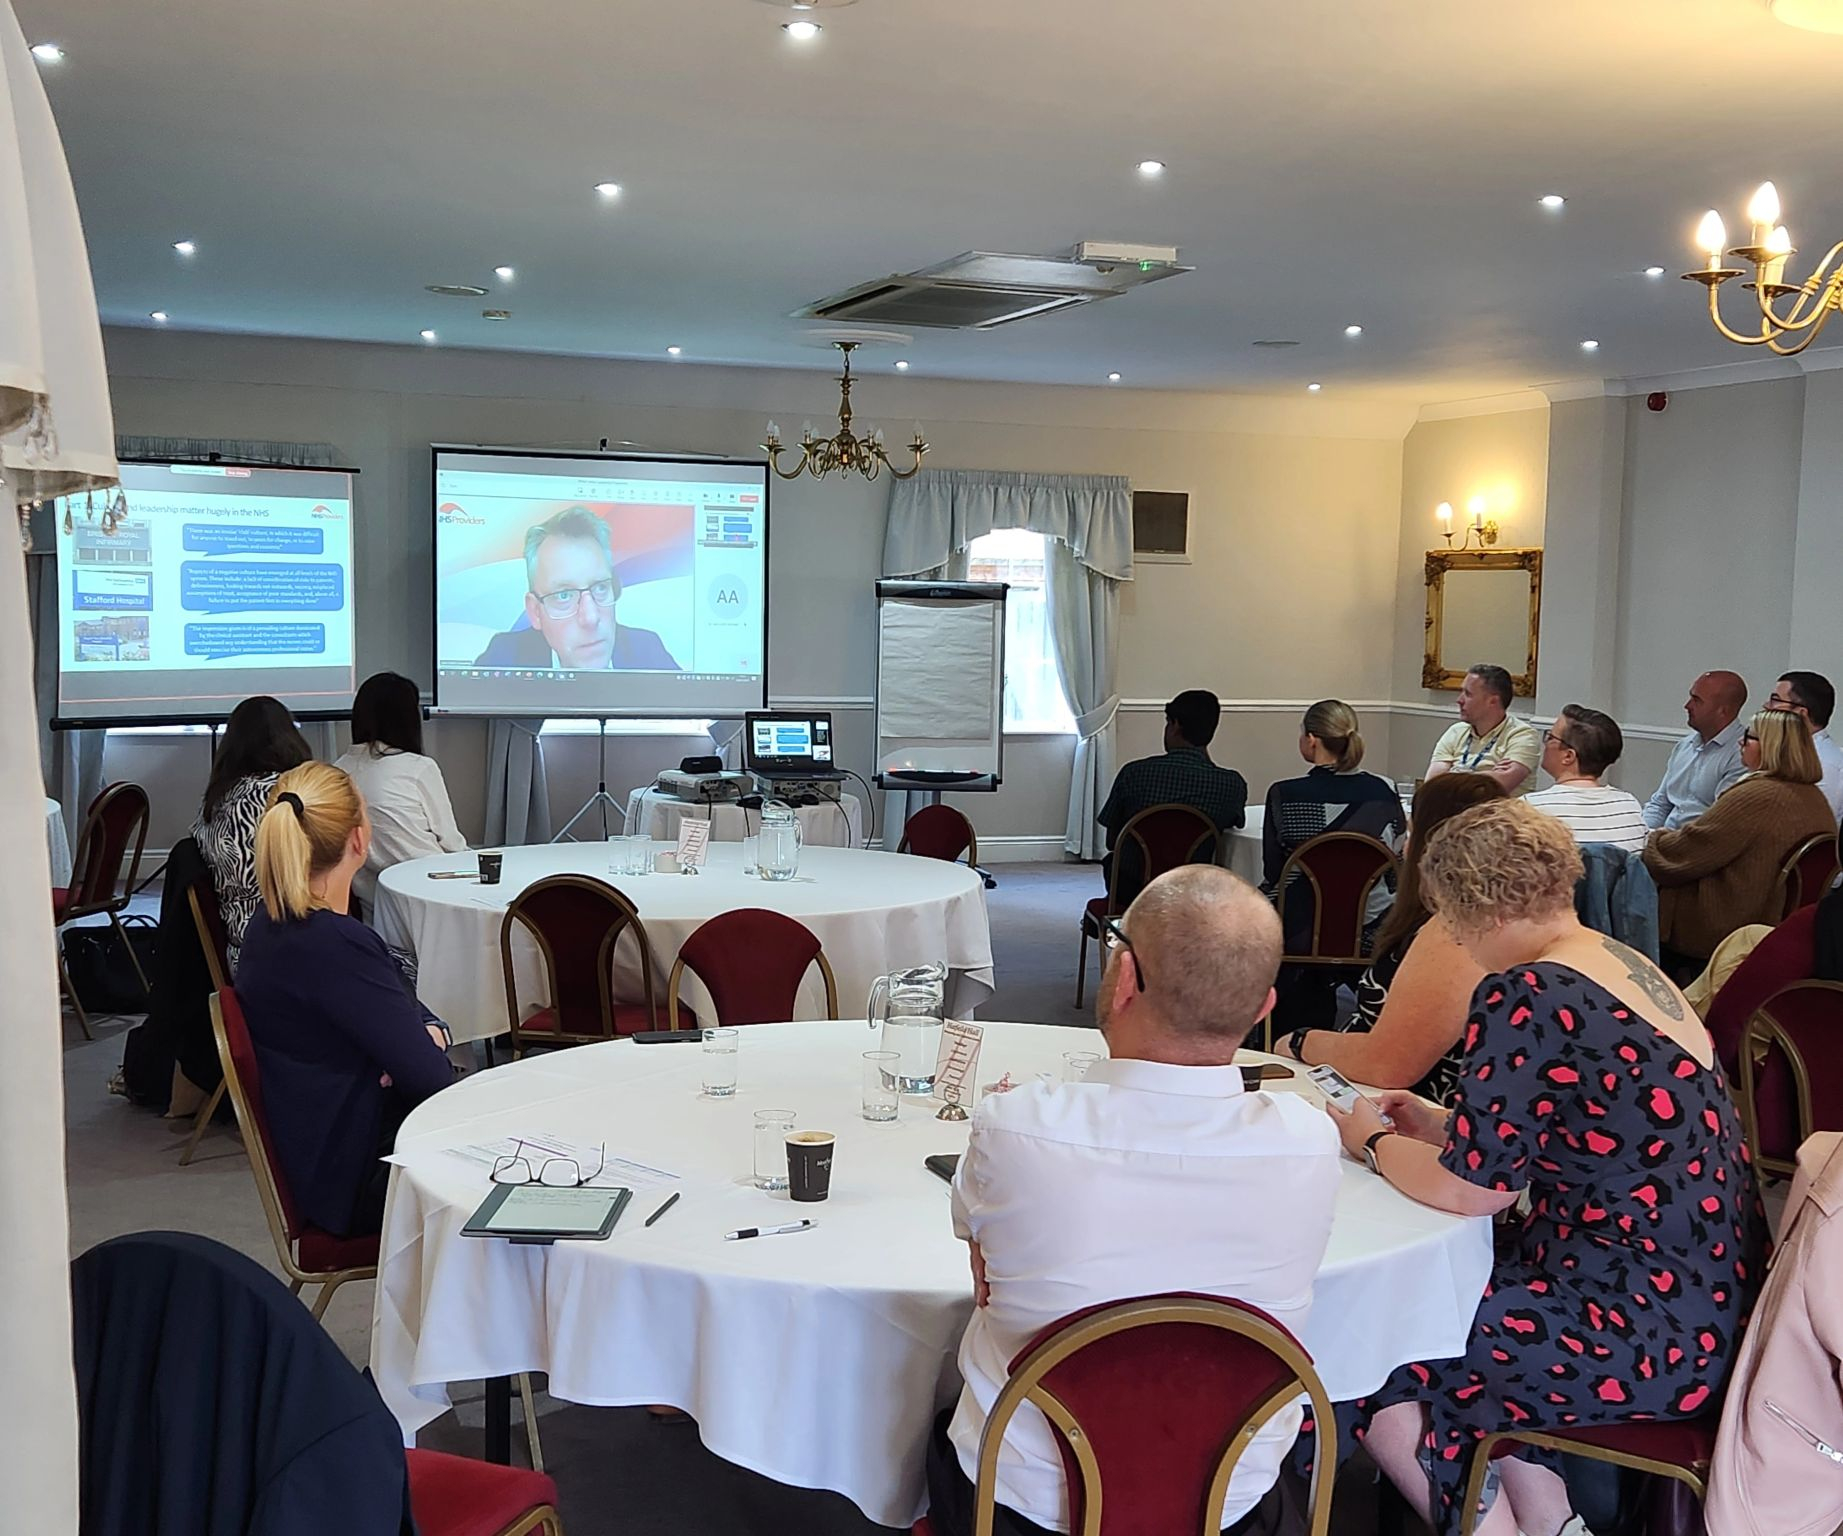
[(202, 1123), (531, 1421), (134, 959), (1081, 964), (70, 991)]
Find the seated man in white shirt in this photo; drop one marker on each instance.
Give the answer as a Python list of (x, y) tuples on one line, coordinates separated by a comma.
[(1158, 1173), (1576, 750), (1488, 738)]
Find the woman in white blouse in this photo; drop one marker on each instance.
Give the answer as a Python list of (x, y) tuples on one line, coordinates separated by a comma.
[(410, 814)]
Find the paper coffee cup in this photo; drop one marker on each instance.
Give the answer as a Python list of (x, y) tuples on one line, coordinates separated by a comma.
[(809, 1165), (490, 866)]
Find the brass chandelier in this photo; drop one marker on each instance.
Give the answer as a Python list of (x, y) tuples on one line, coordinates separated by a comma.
[(845, 451), (1790, 314)]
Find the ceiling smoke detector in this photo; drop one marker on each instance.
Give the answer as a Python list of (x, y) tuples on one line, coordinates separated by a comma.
[(1276, 343), (455, 290)]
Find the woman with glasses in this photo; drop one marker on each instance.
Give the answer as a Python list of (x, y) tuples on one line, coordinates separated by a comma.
[(1721, 871), (405, 795), (1580, 746), (344, 1050)]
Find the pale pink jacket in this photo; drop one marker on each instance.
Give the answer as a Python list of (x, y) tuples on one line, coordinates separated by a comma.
[(1767, 1479)]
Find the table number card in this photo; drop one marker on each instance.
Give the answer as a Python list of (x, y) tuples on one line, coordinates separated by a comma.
[(957, 1065), (693, 843)]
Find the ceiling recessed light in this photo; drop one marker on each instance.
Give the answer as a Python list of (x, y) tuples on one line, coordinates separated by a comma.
[(1590, 345), (1654, 271), (186, 247), (48, 53), (1150, 168), (674, 351), (158, 316), (1314, 388), (1353, 330), (1553, 201), (1113, 378), (902, 365), (608, 188), (495, 314), (428, 335), (801, 31), (1810, 15), (504, 274), (456, 290)]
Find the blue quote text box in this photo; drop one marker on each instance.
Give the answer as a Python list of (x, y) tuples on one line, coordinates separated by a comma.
[(220, 640), (236, 586), (252, 539)]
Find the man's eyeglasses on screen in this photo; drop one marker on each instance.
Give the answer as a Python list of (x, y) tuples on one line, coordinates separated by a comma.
[(566, 600)]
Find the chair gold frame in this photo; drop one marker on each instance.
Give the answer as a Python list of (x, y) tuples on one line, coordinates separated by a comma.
[(219, 981), (544, 1518), (1295, 867), (1442, 563), (111, 903), (1695, 1476), (330, 1280), (1026, 1385), (972, 837), (1762, 1036), (1790, 886), (604, 961), (679, 968), (1210, 833)]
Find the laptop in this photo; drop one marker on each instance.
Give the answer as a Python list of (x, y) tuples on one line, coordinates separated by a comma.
[(783, 744)]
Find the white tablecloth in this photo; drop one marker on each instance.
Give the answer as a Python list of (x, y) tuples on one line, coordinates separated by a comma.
[(818, 1359), (59, 841), (831, 825), (1243, 846), (873, 912)]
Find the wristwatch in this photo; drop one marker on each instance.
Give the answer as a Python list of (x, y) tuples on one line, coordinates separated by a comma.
[(1369, 1149), (1295, 1044)]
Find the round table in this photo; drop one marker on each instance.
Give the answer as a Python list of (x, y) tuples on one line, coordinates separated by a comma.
[(831, 824), (873, 912), (57, 841), (818, 1359)]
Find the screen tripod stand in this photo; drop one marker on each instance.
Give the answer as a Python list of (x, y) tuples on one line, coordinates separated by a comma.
[(601, 800)]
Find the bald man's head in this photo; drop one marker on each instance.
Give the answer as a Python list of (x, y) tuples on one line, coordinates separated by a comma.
[(1207, 946), (1715, 702)]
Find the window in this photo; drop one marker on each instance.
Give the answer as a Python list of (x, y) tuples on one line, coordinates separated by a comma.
[(1034, 700)]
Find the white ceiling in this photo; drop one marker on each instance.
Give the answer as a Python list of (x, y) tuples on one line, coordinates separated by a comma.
[(1331, 161)]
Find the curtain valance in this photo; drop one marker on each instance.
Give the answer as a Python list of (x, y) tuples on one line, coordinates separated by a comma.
[(941, 511)]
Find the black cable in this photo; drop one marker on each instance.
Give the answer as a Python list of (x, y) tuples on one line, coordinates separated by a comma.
[(870, 800)]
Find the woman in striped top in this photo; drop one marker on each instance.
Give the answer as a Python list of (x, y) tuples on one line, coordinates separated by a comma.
[(1576, 750)]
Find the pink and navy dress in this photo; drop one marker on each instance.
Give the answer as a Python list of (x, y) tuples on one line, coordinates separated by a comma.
[(1632, 1274)]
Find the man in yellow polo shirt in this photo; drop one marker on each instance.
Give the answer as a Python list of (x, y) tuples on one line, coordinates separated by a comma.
[(1488, 738)]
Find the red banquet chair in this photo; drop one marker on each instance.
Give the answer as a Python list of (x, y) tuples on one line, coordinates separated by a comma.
[(1323, 898), (308, 1255), (751, 962), (939, 832), (458, 1496), (1680, 1449), (576, 921), (1152, 1402), (1160, 838), (116, 820), (1791, 1078), (1807, 873)]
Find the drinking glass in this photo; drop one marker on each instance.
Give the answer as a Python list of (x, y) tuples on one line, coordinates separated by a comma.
[(749, 845), (720, 1047), (617, 854), (880, 1085), (1076, 1065), (771, 1128), (639, 855)]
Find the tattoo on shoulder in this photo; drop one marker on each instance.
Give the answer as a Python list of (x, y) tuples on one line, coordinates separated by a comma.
[(1647, 976)]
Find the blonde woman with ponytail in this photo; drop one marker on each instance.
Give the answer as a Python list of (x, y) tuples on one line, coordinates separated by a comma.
[(1335, 795), (344, 1049)]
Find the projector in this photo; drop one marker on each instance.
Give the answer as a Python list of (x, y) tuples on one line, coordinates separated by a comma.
[(704, 787)]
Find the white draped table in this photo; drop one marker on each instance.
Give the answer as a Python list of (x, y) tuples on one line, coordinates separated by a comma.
[(830, 824), (57, 841), (818, 1359), (873, 913)]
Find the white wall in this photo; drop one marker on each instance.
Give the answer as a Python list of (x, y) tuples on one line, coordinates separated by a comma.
[(1295, 506)]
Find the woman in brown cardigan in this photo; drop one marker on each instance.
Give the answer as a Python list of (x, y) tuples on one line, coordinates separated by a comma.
[(1721, 871)]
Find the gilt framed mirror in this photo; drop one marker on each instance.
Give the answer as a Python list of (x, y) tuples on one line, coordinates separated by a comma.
[(1483, 605)]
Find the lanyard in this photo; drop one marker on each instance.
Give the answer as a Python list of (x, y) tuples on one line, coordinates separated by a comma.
[(1489, 747)]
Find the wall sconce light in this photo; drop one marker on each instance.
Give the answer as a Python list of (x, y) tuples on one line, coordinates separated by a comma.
[(1479, 527)]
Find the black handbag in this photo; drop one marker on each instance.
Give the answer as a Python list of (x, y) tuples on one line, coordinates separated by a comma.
[(101, 972)]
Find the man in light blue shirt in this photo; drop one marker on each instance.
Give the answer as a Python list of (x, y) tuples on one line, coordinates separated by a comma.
[(1708, 759), (1811, 695)]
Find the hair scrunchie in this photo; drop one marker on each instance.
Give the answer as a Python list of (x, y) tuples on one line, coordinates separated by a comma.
[(290, 798)]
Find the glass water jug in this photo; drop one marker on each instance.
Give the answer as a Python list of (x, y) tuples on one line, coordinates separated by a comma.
[(777, 850), (910, 1006)]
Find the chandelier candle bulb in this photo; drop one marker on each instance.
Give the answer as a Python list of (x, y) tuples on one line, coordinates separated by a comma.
[(1445, 514), (1763, 212), (1712, 236), (1778, 248)]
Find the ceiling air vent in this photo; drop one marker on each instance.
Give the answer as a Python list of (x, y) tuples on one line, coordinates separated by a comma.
[(1161, 526), (979, 290)]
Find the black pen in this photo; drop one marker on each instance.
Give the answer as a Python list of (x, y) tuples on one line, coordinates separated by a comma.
[(671, 1200)]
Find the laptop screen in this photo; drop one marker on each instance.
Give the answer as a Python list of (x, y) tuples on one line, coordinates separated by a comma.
[(790, 743)]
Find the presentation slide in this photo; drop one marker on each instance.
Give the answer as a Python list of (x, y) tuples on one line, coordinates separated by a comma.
[(598, 585), (222, 581)]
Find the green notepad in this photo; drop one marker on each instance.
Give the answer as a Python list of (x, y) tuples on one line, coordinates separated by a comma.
[(540, 1213)]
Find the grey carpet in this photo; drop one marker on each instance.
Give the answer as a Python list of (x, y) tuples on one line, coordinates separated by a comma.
[(619, 1472)]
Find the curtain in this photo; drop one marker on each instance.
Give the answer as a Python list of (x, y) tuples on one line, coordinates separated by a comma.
[(517, 796), (1088, 523), (182, 450)]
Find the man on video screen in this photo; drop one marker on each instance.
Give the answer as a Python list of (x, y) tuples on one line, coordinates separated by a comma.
[(570, 600)]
